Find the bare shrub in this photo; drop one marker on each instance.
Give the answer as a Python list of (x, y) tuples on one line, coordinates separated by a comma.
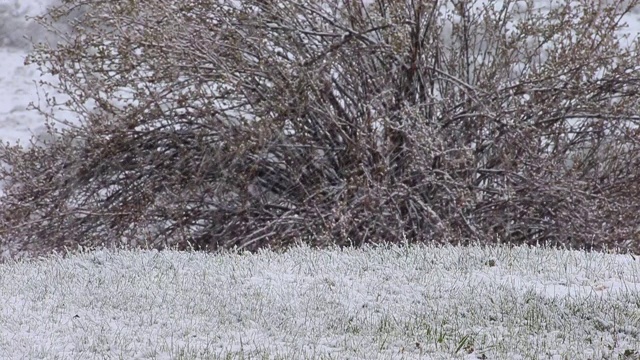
[(261, 123)]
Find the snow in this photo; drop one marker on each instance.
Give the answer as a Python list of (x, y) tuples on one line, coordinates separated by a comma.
[(373, 303), (18, 83)]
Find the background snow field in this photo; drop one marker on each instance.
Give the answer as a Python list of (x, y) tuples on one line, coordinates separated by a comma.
[(401, 303), (18, 83)]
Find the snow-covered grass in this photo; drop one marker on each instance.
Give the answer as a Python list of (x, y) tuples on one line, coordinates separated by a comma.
[(376, 303)]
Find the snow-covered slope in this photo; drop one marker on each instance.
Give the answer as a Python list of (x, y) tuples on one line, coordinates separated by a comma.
[(17, 90), (398, 303), (17, 81)]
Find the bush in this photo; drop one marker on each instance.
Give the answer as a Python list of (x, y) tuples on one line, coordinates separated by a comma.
[(217, 124)]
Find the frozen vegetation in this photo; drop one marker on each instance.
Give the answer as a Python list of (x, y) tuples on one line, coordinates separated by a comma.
[(374, 303)]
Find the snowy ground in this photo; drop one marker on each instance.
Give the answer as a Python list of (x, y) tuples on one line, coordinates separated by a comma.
[(417, 303), (395, 303)]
